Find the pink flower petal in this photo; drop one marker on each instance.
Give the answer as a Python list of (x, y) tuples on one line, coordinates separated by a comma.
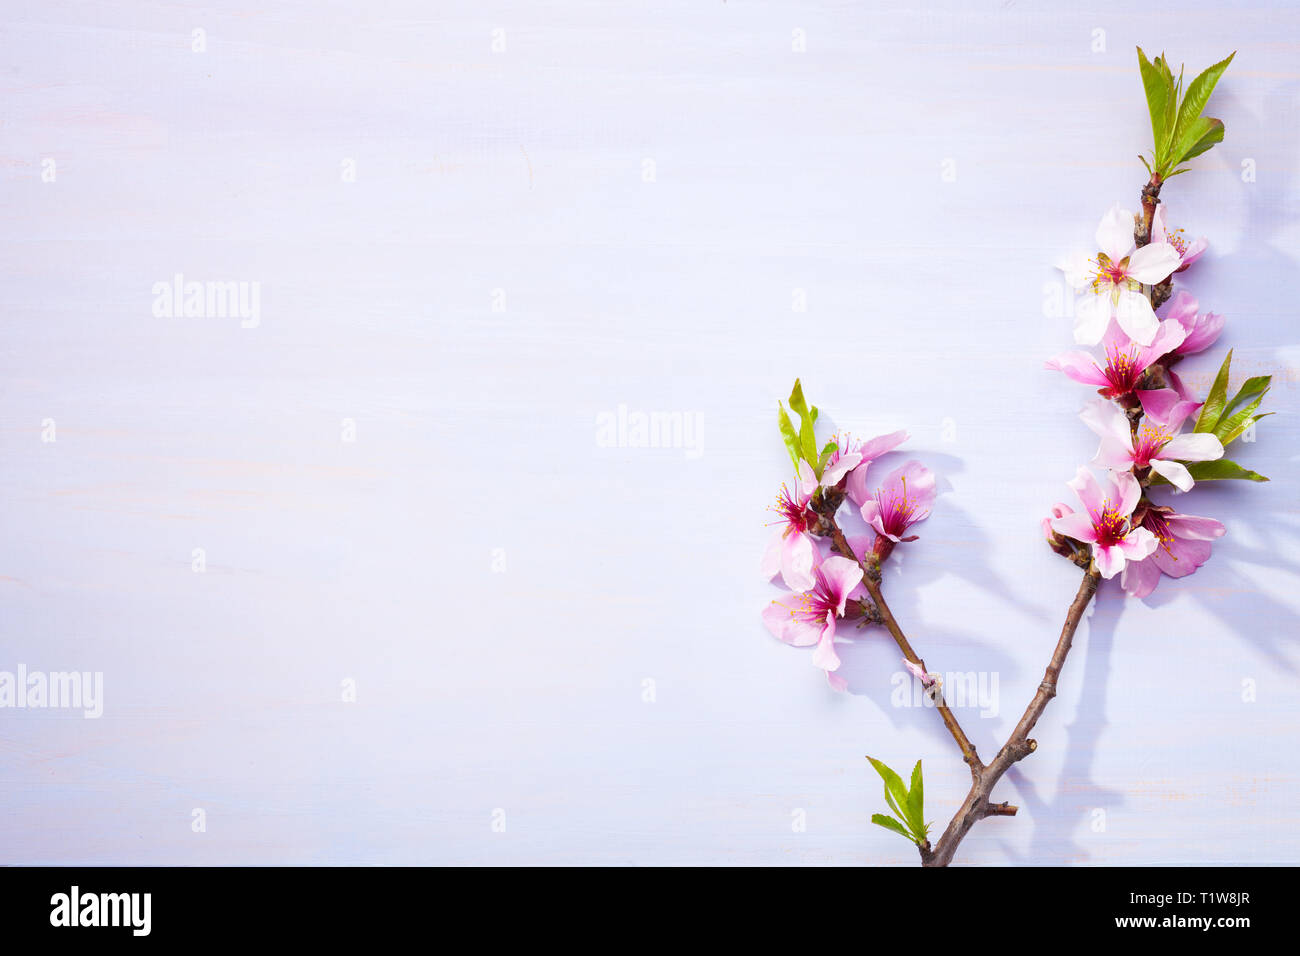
[(1109, 560), (1108, 421), (1115, 233), (833, 473), (798, 555), (1128, 490), (807, 481), (1135, 316), (825, 656), (1077, 526), (1159, 232), (842, 575), (881, 444), (1092, 314), (1079, 366), (1182, 309), (1154, 262), (1176, 474), (1206, 332), (1139, 578), (783, 621), (1157, 403), (1181, 556), (1084, 484), (1195, 249), (1138, 544), (1194, 526), (770, 566), (1193, 446)]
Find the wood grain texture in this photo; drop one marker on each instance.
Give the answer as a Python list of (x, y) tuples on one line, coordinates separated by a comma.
[(499, 584)]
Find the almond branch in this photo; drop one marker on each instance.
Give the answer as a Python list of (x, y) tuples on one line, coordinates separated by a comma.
[(871, 581), (977, 804)]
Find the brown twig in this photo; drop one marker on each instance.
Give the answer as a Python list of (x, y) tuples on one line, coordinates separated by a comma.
[(977, 805), (1161, 291), (871, 581), (1020, 745)]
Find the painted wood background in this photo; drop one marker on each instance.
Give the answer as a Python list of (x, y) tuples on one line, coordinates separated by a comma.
[(476, 229)]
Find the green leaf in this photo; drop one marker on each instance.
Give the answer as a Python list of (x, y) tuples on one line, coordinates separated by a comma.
[(1236, 420), (895, 792), (828, 449), (1240, 429), (1214, 135), (889, 823), (788, 435), (1230, 427), (1158, 86), (797, 403), (1193, 105), (1212, 410), (1199, 136), (807, 421), (1253, 387), (916, 802), (1221, 470)]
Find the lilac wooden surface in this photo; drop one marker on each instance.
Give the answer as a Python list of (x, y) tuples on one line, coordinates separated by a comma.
[(620, 207)]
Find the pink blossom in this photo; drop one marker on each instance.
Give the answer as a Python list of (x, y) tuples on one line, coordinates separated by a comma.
[(1125, 360), (927, 680), (1105, 524), (904, 498), (1202, 329), (792, 550), (1115, 278), (867, 452), (1183, 546), (808, 618), (1188, 252), (1058, 511), (1157, 444)]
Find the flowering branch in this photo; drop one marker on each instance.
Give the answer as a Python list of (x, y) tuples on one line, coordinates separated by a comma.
[(1019, 745), (871, 582), (1122, 533)]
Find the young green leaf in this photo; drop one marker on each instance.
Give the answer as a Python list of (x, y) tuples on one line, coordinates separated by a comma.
[(1236, 418), (889, 823), (1212, 136), (807, 421), (895, 792), (1195, 101), (1221, 470), (1212, 410), (1159, 90), (797, 403), (1200, 135), (1161, 103), (788, 435), (828, 449), (1253, 387), (916, 802), (1240, 429)]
